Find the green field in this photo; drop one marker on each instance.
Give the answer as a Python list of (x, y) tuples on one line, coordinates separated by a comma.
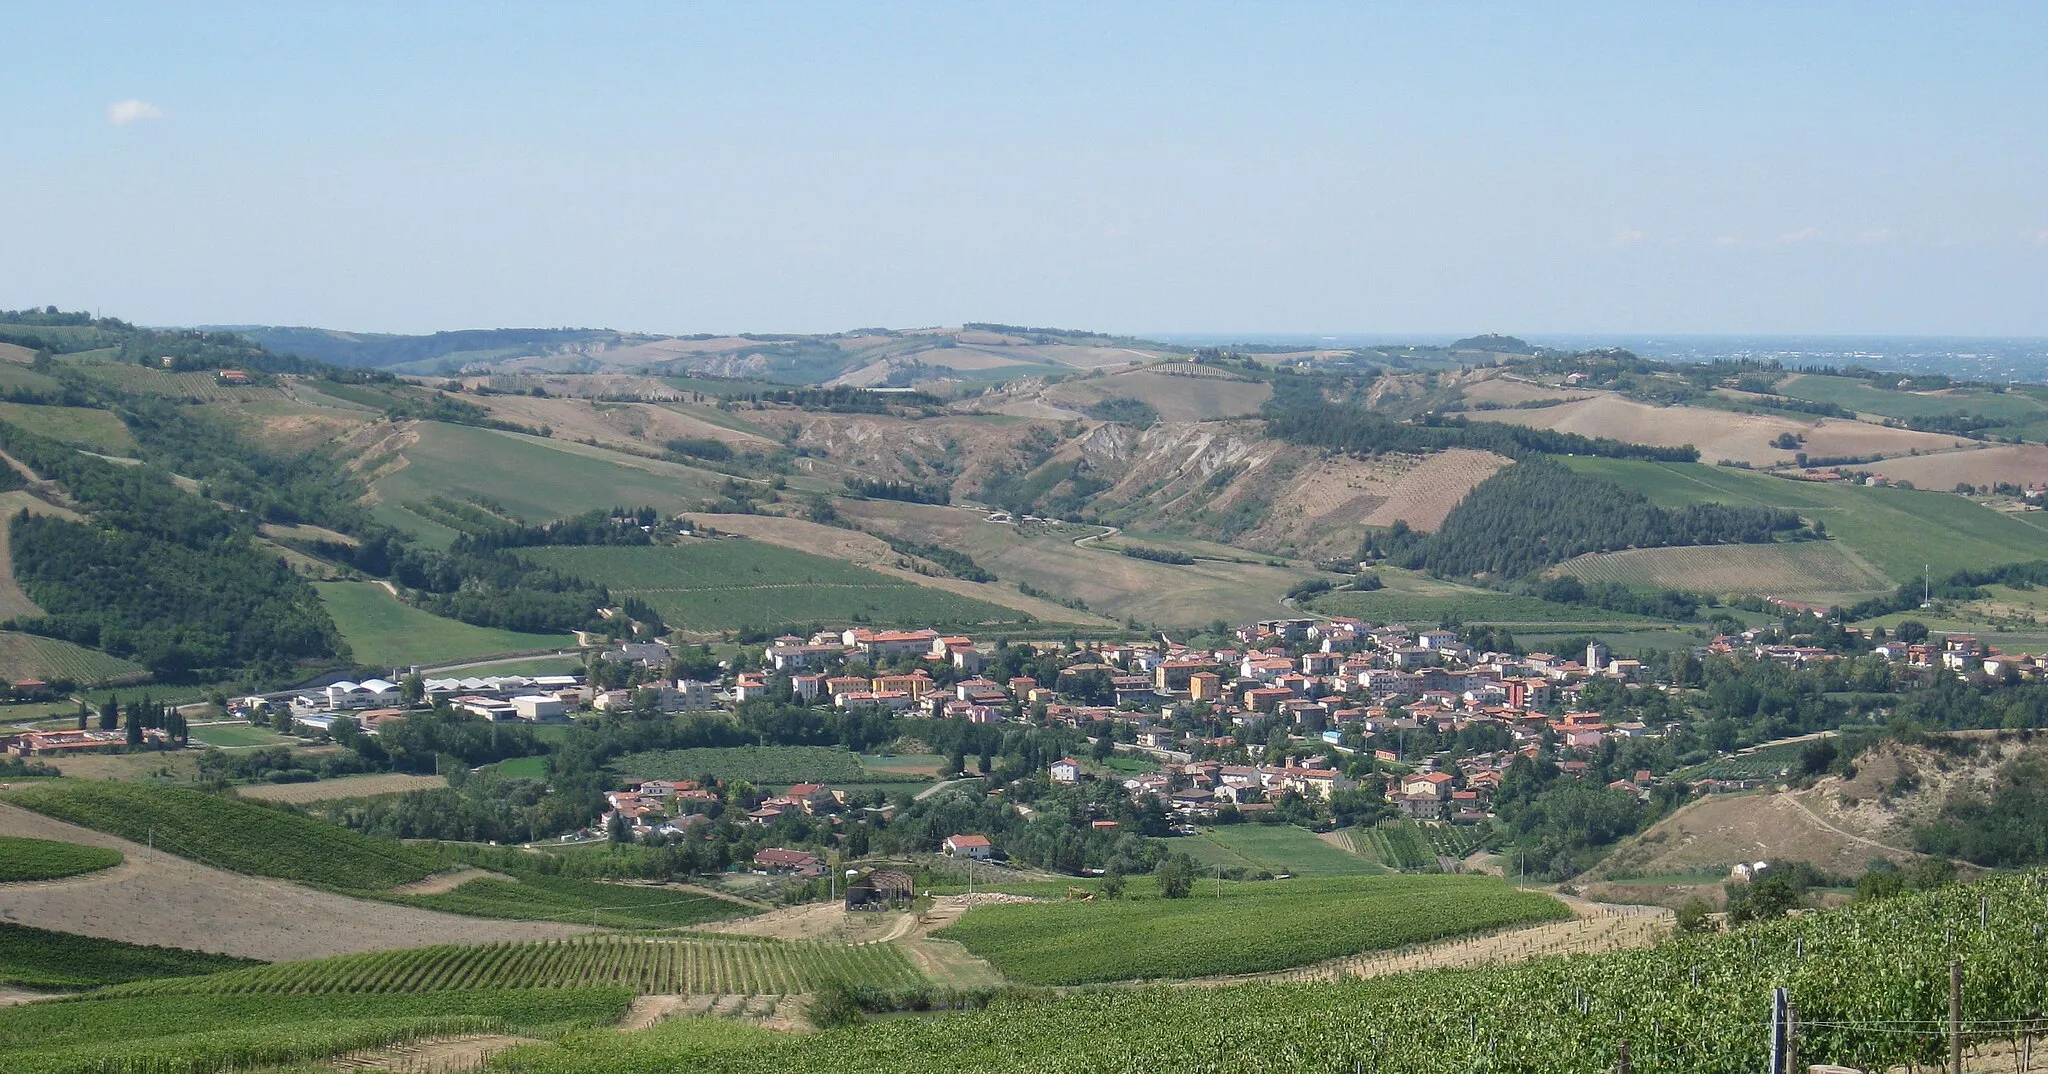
[(532, 478), (698, 965), (1251, 928), (228, 833), (585, 902), (382, 631), (759, 765), (189, 1034), (523, 768), (1764, 762), (1273, 848), (1823, 571), (237, 734), (725, 584), (25, 656), (98, 430), (1860, 396), (38, 958), (1895, 530), (1413, 597), (47, 859)]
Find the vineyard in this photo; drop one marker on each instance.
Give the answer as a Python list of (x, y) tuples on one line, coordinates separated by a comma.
[(195, 1034), (38, 958), (1412, 847), (228, 833), (646, 965), (27, 656), (197, 387), (1764, 762), (721, 585), (538, 897), (47, 859), (1249, 928), (766, 766), (1870, 983)]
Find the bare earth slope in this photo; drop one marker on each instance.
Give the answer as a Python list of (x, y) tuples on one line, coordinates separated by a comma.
[(153, 898)]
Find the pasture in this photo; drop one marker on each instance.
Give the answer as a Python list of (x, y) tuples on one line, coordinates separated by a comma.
[(1822, 571), (1250, 928), (1273, 848), (381, 630), (96, 430), (1859, 395), (1895, 530), (711, 585)]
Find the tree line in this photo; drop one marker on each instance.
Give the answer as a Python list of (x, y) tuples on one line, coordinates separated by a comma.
[(1366, 432)]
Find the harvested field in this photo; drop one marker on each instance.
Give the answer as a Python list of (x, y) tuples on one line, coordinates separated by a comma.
[(1508, 391), (640, 425), (153, 898), (2018, 464), (1720, 434), (1822, 571), (344, 787), (1177, 396)]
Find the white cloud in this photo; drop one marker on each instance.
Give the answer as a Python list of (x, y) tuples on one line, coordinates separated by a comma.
[(1792, 237), (1877, 235), (1628, 236), (132, 110)]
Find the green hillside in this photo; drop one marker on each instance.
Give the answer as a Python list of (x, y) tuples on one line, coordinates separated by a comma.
[(38, 958), (382, 630), (1897, 530)]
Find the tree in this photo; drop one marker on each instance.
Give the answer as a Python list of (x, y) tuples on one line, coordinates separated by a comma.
[(1692, 917), (1912, 632), (1113, 884), (619, 829), (1104, 746), (110, 713), (84, 715), (1177, 876), (135, 725)]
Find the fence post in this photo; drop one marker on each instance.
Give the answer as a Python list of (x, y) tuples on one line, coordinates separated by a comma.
[(1955, 1017), (1778, 1001), (1621, 1065), (1791, 1037)]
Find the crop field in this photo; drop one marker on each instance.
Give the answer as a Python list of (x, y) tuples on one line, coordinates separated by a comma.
[(230, 834), (1251, 928), (581, 902), (1895, 530), (1859, 395), (1682, 1005), (382, 630), (324, 790), (1273, 848), (1412, 597), (98, 430), (37, 958), (725, 584), (48, 859), (2018, 464), (1808, 570), (190, 1034), (645, 964), (535, 479), (760, 765), (25, 656)]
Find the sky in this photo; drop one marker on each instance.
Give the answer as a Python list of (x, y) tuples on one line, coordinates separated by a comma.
[(1128, 167)]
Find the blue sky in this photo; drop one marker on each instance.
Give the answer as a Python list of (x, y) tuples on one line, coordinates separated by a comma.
[(1132, 167)]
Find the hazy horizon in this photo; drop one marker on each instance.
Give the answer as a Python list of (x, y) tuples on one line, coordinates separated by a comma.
[(1577, 170)]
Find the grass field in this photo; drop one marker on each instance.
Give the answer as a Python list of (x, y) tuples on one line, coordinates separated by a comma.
[(1824, 571), (1274, 848), (760, 765), (237, 734), (230, 834), (1895, 530), (48, 859), (38, 958), (327, 790), (381, 630), (727, 584), (532, 478), (734, 966), (25, 656), (99, 430), (1411, 596), (1253, 927), (582, 902), (189, 1034), (1858, 395)]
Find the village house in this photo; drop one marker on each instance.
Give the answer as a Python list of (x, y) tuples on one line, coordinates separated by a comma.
[(973, 847)]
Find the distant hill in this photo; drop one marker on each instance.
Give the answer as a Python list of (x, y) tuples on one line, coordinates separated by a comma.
[(1495, 344), (383, 351)]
